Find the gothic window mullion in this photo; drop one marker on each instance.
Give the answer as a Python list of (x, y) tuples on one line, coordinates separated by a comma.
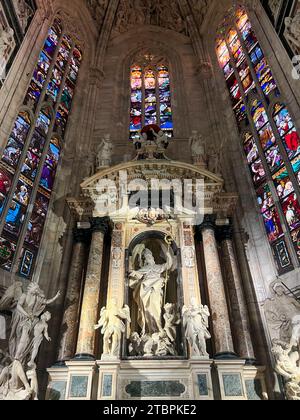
[(37, 112), (157, 96), (41, 164)]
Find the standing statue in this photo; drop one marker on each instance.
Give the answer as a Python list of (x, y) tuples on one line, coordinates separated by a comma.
[(104, 153), (148, 284), (215, 159), (40, 332), (113, 326), (198, 148), (29, 322), (195, 321), (24, 13), (6, 41)]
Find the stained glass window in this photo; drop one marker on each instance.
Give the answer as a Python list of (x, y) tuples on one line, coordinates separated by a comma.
[(150, 99), (269, 137), (29, 162)]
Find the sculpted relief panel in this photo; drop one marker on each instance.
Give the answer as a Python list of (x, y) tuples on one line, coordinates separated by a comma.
[(149, 12)]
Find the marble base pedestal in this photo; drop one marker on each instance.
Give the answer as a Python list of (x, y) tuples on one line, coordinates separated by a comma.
[(239, 381), (157, 380), (108, 379), (76, 381)]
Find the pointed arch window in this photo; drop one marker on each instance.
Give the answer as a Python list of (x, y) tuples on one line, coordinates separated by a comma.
[(31, 157), (150, 98), (270, 139)]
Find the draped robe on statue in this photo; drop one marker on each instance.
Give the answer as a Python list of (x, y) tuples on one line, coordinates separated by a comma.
[(148, 284)]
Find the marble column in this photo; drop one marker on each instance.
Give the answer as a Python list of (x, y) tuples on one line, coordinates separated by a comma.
[(218, 305), (70, 321), (90, 303), (239, 313)]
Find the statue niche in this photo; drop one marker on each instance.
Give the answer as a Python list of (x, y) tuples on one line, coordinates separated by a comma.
[(154, 297)]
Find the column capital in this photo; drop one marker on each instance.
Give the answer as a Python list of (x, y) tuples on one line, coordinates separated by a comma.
[(81, 235), (100, 224), (209, 222), (225, 233)]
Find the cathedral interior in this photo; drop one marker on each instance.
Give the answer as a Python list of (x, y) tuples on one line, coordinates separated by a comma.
[(149, 200)]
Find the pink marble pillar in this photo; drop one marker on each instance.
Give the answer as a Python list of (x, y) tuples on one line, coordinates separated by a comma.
[(70, 321), (90, 303), (239, 313), (216, 291)]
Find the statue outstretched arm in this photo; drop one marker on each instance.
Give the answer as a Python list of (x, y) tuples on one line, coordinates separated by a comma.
[(49, 302)]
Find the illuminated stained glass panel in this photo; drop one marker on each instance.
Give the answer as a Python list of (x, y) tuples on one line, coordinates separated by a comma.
[(7, 253), (240, 57), (150, 99), (31, 156)]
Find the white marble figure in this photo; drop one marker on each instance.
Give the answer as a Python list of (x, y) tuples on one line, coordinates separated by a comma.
[(189, 257), (24, 13), (292, 25), (104, 152), (113, 326), (287, 365), (162, 345), (28, 319), (148, 284), (162, 140), (40, 332), (215, 159), (135, 348), (6, 41), (172, 320), (198, 148), (195, 321)]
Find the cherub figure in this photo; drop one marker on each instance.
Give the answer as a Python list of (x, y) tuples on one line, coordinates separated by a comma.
[(172, 320), (40, 332)]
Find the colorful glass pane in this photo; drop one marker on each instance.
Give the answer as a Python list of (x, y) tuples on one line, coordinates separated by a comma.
[(266, 136), (241, 18), (223, 54), (274, 158), (283, 183), (291, 210), (251, 150), (264, 198), (6, 179), (27, 262), (259, 115), (258, 171), (12, 153), (272, 224), (37, 221), (7, 253)]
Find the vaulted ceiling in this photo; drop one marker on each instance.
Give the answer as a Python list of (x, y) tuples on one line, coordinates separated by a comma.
[(161, 13)]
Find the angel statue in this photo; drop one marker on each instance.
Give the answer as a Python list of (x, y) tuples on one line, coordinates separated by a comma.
[(113, 326), (148, 284), (104, 152), (29, 322), (195, 322)]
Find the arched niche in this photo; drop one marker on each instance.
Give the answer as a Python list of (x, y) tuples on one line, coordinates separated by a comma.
[(155, 241)]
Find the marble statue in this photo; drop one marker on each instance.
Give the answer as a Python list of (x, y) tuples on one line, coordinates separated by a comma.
[(135, 348), (6, 40), (198, 148), (292, 25), (148, 284), (104, 152), (162, 140), (28, 326), (287, 365), (172, 320), (279, 311), (195, 321), (215, 159), (40, 332), (24, 13), (113, 326)]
